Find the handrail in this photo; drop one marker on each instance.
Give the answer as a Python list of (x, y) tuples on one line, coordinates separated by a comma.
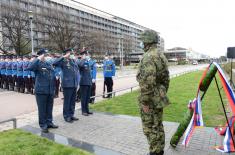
[(9, 120), (124, 89), (114, 92)]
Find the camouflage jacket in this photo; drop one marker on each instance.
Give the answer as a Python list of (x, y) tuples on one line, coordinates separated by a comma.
[(153, 78)]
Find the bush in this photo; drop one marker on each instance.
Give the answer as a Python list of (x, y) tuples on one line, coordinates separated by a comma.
[(182, 62)]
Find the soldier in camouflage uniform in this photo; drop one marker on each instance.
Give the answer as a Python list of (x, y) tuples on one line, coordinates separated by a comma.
[(153, 78)]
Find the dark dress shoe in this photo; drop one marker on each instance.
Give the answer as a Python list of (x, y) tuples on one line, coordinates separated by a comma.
[(160, 153), (74, 118), (85, 114), (153, 153), (69, 120), (53, 126), (90, 113), (44, 130)]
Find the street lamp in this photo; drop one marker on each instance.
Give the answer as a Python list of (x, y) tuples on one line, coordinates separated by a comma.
[(30, 14), (121, 50)]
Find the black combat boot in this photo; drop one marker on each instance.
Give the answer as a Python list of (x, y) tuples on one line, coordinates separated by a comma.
[(160, 153), (153, 153)]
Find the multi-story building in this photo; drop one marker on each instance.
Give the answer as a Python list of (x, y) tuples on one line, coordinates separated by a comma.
[(179, 53), (119, 34)]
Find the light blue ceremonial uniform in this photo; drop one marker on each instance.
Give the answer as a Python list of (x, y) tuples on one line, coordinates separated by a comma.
[(8, 71), (109, 69), (93, 68), (14, 68), (25, 71)]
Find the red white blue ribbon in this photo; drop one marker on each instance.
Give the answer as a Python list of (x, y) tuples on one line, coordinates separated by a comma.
[(228, 142), (196, 119)]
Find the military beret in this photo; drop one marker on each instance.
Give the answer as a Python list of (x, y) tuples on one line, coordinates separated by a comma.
[(42, 51)]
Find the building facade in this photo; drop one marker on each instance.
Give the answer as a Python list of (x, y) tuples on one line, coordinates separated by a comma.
[(118, 35), (179, 53)]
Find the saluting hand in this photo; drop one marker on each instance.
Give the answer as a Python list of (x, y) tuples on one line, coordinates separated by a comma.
[(41, 57)]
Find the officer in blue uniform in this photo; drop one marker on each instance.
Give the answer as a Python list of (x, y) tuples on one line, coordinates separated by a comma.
[(1, 75), (14, 72), (8, 72), (85, 83), (44, 89), (69, 68), (20, 80), (108, 71), (3, 71), (93, 69), (26, 74)]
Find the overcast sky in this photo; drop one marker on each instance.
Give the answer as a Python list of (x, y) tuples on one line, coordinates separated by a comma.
[(206, 26)]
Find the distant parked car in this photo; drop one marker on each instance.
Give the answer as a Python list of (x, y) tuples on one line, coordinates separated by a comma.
[(195, 63)]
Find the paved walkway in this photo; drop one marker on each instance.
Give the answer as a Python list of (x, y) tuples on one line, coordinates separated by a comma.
[(119, 133), (122, 135)]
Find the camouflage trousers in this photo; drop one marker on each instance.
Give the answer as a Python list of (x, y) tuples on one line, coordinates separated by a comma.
[(153, 129)]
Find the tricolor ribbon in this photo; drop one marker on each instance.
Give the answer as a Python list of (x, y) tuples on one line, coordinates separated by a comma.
[(228, 142), (196, 119)]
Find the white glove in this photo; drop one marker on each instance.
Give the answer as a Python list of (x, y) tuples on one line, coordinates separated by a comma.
[(28, 76), (57, 77), (93, 80)]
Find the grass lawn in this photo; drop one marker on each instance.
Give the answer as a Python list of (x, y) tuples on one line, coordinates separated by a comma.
[(182, 89), (18, 142)]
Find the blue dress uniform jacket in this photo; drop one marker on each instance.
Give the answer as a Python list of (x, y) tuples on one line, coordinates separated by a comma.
[(25, 71), (45, 77), (109, 68), (93, 68), (14, 68), (58, 71), (8, 68), (32, 74), (69, 68), (19, 68), (85, 73), (3, 67)]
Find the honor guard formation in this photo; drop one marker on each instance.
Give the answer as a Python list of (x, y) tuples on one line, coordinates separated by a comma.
[(46, 74)]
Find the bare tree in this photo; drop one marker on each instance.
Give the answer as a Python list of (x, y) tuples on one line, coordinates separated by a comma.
[(128, 46), (15, 29), (96, 42), (62, 32)]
